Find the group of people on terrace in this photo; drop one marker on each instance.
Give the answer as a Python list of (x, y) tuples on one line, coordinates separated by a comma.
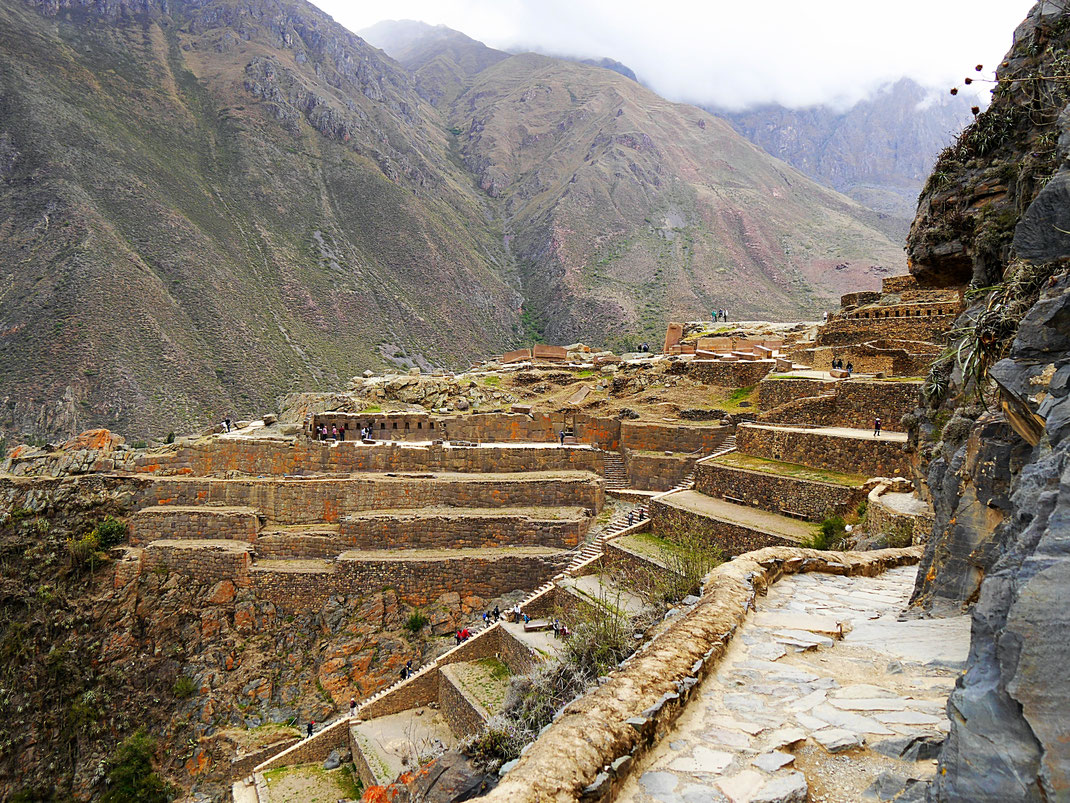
[(838, 364), (719, 315)]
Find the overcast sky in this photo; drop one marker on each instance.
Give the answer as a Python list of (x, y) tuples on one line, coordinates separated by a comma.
[(736, 52)]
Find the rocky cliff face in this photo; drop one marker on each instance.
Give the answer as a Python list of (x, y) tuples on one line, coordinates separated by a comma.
[(994, 439)]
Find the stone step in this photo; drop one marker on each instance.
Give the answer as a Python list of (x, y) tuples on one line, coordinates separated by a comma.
[(840, 449), (295, 566)]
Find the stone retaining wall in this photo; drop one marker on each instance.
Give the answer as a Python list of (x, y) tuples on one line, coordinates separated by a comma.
[(648, 471), (314, 749), (855, 402), (883, 519), (869, 457), (654, 437), (775, 493), (151, 524), (314, 501), (847, 331), (205, 564), (741, 374), (277, 458), (464, 715), (666, 519), (417, 582), (422, 688), (623, 718), (244, 766), (910, 360), (405, 530)]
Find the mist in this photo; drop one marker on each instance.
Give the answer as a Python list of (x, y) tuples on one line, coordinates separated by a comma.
[(738, 54)]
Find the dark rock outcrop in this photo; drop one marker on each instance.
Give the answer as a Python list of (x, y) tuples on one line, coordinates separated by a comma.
[(996, 206)]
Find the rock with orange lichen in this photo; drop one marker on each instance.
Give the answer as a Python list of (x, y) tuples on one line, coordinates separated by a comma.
[(450, 778)]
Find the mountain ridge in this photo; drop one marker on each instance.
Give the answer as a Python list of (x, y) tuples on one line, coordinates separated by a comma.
[(208, 204)]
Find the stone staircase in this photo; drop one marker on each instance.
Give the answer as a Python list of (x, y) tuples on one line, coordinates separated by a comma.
[(615, 474)]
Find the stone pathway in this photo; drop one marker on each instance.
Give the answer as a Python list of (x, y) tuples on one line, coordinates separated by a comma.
[(840, 432), (756, 518), (823, 695)]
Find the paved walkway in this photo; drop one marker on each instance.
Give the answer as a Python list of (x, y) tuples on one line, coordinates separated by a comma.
[(840, 432), (753, 517), (796, 713)]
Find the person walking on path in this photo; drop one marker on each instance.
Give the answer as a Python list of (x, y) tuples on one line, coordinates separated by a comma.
[(308, 730), (352, 706), (561, 436), (877, 427), (497, 613), (850, 368)]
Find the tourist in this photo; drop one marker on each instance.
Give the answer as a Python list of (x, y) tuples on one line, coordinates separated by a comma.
[(850, 368), (825, 316), (725, 313), (642, 514), (555, 627), (516, 612), (466, 634), (334, 432), (526, 618), (308, 730), (631, 514), (561, 436), (486, 617), (457, 636), (352, 706), (497, 613), (877, 427), (342, 432)]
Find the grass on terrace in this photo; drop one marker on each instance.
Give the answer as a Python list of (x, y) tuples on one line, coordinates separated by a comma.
[(750, 463), (739, 399)]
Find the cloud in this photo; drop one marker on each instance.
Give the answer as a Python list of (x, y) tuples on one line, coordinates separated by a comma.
[(738, 53)]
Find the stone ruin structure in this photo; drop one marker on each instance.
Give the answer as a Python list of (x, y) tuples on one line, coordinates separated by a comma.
[(483, 504)]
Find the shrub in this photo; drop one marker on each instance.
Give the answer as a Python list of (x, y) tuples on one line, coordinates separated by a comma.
[(500, 741), (85, 552), (110, 531), (184, 688), (131, 778), (170, 437), (829, 536), (416, 622)]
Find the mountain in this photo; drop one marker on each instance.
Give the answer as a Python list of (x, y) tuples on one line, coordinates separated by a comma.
[(205, 204), (879, 151)]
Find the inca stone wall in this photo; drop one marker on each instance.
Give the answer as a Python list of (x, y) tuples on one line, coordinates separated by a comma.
[(233, 523), (847, 331), (672, 437), (868, 457), (463, 714), (402, 529), (277, 458), (648, 471), (318, 500), (775, 493), (742, 374), (856, 402), (733, 539)]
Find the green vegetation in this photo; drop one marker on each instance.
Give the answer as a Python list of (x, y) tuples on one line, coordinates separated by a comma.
[(830, 536), (416, 622), (184, 688), (110, 531), (131, 778), (750, 463), (496, 667), (738, 399), (492, 381)]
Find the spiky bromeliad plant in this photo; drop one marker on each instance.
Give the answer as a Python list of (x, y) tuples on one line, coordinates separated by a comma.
[(987, 334)]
